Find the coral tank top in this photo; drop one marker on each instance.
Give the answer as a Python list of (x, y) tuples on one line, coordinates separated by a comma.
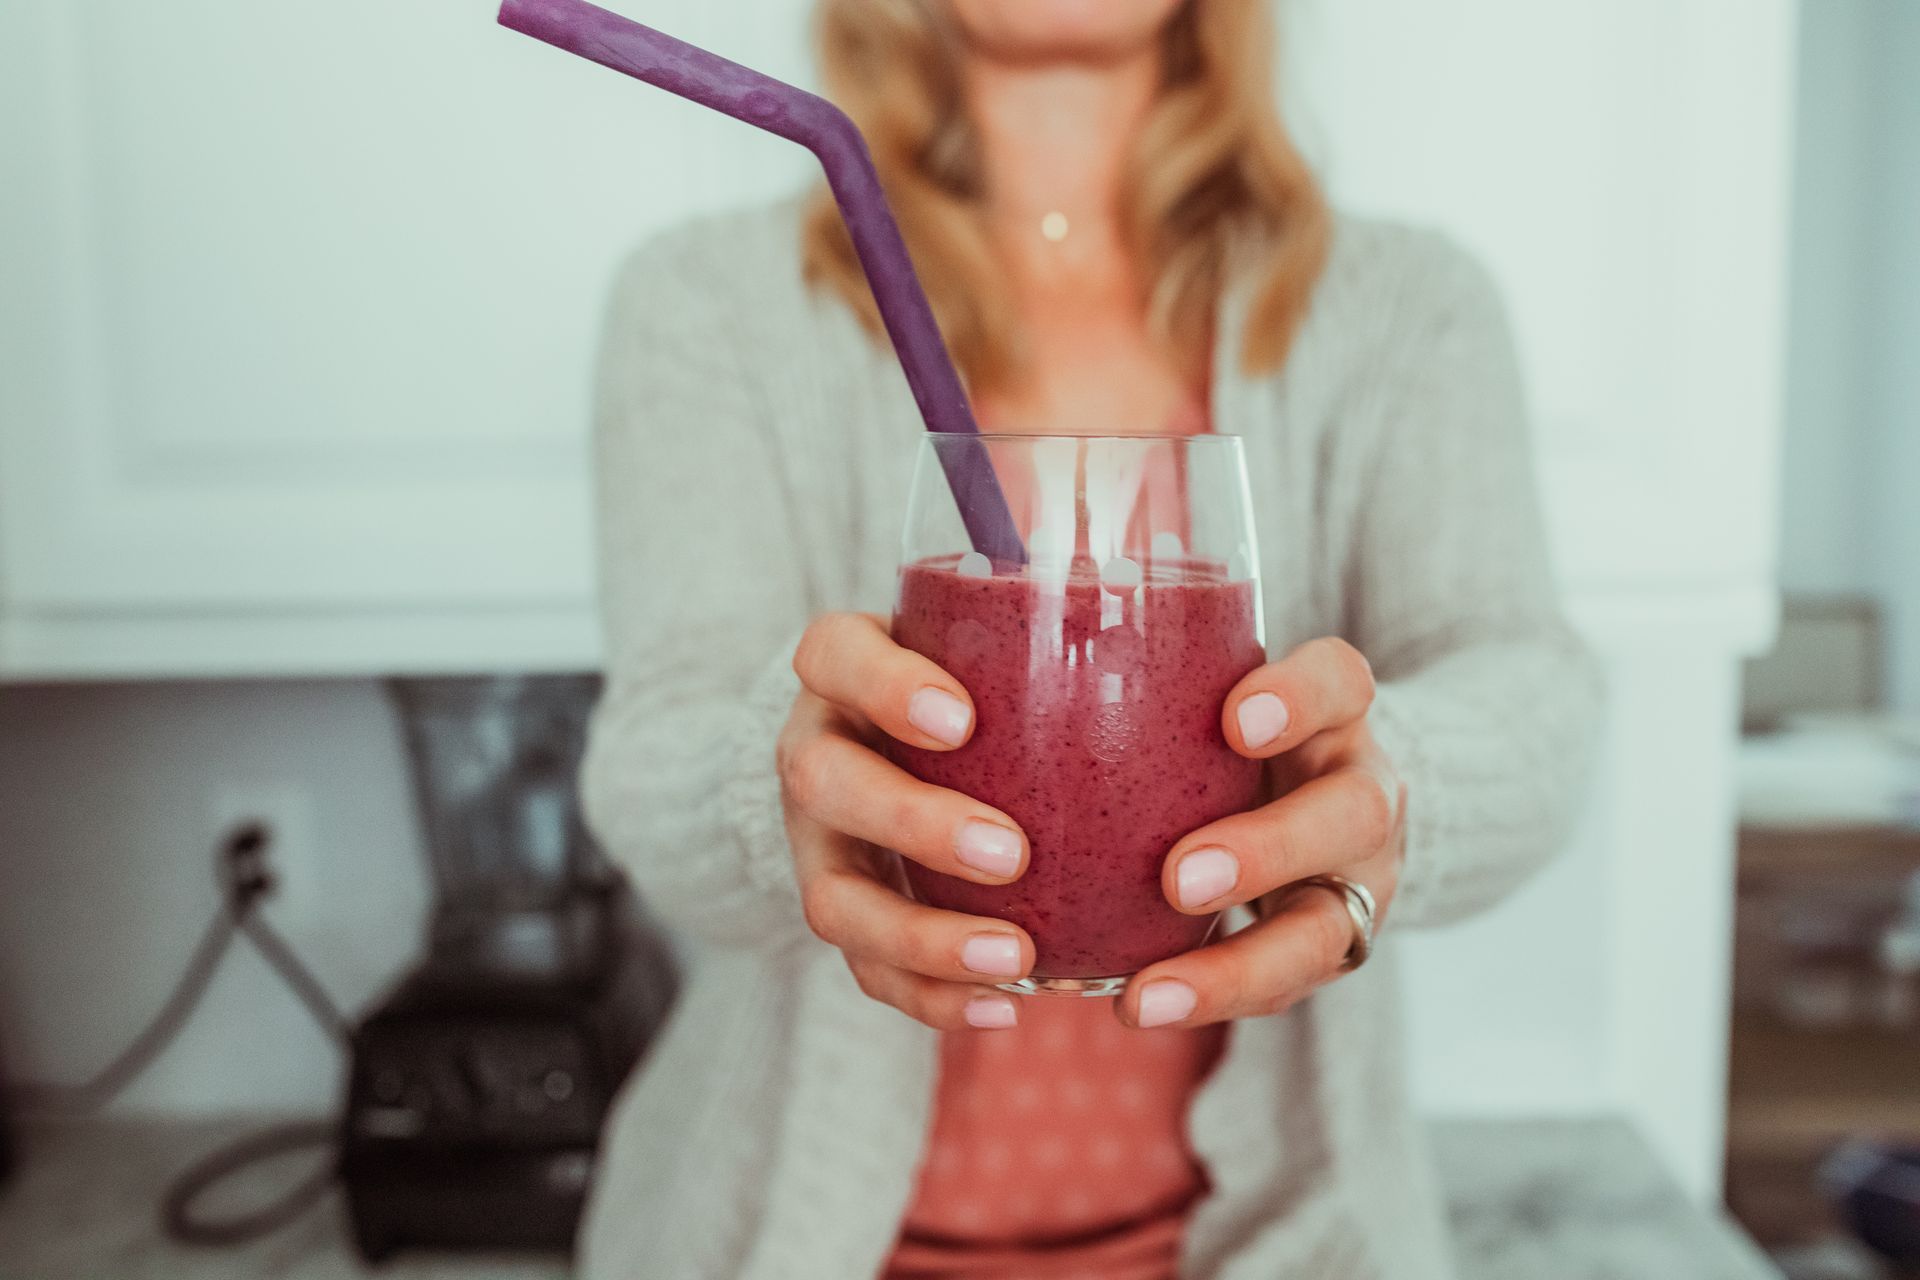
[(1058, 1150)]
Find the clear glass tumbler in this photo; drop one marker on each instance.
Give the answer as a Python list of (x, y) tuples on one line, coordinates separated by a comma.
[(1098, 667)]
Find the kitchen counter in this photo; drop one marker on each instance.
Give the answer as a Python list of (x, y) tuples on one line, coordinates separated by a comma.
[(1533, 1200), (1578, 1200)]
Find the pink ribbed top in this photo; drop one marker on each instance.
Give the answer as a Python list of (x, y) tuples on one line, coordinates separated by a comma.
[(1058, 1149)]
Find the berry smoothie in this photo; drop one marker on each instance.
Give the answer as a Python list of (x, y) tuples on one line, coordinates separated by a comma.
[(1098, 731)]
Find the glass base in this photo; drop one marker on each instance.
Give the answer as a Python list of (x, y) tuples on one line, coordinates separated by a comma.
[(1091, 988)]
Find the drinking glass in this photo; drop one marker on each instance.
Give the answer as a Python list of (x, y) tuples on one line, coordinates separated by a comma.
[(1098, 666)]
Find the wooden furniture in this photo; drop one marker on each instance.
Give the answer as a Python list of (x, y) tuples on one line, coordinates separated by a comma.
[(1848, 1067)]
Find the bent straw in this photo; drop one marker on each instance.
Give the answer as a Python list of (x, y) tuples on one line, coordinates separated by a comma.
[(822, 128)]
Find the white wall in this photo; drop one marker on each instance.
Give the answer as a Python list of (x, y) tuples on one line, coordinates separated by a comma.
[(1825, 526), (111, 798), (1892, 401), (1852, 446)]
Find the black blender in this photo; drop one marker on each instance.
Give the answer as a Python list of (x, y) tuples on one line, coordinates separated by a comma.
[(480, 1083)]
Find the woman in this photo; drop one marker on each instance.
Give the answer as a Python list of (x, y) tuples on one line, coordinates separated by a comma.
[(1116, 234)]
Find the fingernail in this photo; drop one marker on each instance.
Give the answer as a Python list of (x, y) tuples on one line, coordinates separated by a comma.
[(992, 1013), (1263, 717), (940, 715), (1166, 1000), (995, 954), (988, 847), (1204, 875)]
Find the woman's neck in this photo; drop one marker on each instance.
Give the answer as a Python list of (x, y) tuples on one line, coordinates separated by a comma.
[(1054, 142)]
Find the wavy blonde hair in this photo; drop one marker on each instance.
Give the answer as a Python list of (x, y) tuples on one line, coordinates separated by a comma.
[(1212, 166)]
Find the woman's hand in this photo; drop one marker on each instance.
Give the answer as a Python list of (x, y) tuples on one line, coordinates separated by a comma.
[(846, 805), (1339, 812)]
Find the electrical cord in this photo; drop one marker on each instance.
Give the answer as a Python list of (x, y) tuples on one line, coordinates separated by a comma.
[(241, 871), (141, 1052), (276, 952), (182, 1222)]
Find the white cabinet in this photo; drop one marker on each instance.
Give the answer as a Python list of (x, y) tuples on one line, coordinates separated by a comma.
[(1625, 168), (300, 299), (298, 314)]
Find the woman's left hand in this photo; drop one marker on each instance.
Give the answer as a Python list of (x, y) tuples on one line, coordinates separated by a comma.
[(1339, 812)]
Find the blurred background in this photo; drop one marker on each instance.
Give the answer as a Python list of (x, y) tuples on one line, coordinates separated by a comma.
[(297, 307)]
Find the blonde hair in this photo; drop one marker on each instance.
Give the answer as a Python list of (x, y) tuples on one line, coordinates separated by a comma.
[(1212, 165)]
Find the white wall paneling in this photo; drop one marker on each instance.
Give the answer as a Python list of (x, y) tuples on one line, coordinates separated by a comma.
[(312, 334), (1624, 168), (306, 338)]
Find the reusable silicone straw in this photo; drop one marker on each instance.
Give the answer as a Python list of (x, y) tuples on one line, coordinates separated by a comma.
[(693, 73)]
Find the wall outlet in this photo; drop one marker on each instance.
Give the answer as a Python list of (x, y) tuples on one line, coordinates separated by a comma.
[(286, 809)]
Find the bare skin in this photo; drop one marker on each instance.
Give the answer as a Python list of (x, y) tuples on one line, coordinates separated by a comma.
[(1055, 138), (1057, 87)]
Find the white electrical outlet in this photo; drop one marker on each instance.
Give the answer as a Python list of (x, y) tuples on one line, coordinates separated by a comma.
[(287, 809)]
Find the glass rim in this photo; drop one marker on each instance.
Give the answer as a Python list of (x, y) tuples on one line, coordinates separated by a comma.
[(1149, 437)]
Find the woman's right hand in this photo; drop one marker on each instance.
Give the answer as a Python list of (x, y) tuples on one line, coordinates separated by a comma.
[(847, 805)]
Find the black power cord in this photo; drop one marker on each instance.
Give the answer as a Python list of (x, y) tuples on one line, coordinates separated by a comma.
[(183, 1223), (141, 1052), (244, 878)]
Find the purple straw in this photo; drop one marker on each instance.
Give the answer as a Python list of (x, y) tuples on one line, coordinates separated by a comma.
[(822, 128)]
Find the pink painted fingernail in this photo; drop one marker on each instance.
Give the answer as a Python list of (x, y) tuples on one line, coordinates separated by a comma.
[(988, 847), (939, 715), (995, 954), (1205, 874), (1263, 717), (1166, 1000), (992, 1013)]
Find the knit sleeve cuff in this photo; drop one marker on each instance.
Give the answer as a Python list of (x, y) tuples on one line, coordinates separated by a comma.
[(750, 794), (1395, 725)]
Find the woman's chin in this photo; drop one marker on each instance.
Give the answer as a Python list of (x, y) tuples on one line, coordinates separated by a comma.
[(1080, 31)]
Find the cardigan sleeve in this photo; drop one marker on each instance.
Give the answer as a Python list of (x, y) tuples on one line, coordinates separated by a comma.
[(1488, 703), (703, 593)]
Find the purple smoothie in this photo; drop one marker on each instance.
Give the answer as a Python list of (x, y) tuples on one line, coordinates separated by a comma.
[(1098, 731)]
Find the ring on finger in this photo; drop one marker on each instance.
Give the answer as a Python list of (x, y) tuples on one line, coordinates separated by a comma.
[(1361, 910)]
